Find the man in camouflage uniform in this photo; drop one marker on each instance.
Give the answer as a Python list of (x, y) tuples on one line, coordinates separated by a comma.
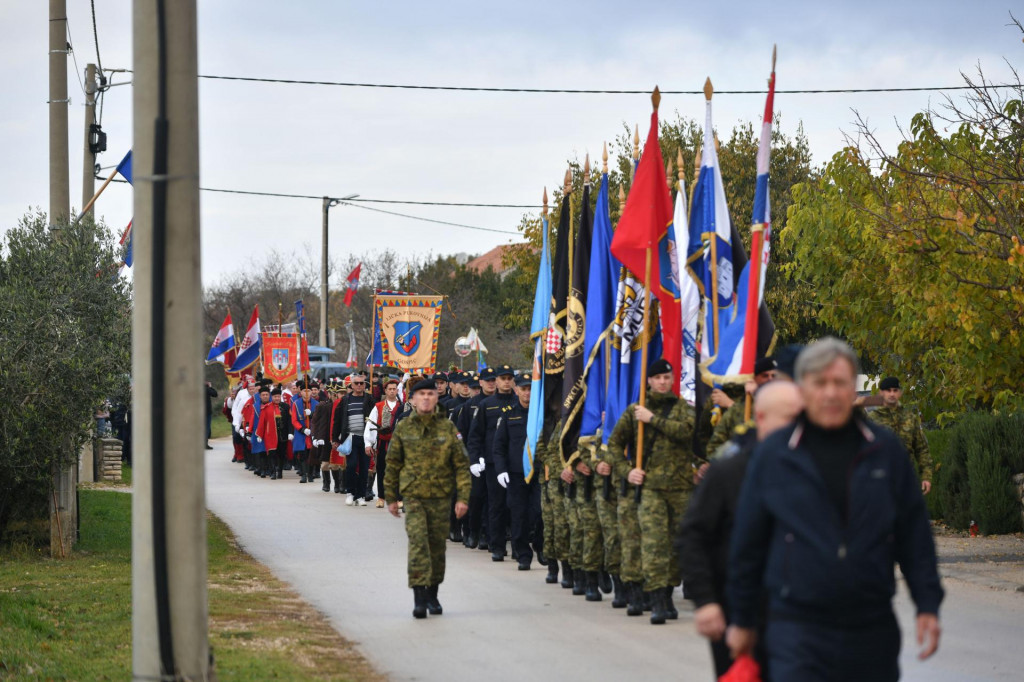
[(666, 476), (553, 504), (905, 422), (591, 541), (427, 463), (764, 371)]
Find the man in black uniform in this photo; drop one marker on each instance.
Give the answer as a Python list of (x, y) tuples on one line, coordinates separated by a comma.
[(523, 498), (458, 528), (478, 519), (481, 448)]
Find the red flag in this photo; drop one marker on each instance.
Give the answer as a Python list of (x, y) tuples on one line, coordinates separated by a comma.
[(646, 223), (353, 284)]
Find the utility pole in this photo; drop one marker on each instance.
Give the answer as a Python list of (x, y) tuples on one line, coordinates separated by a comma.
[(169, 562), (60, 185), (88, 157), (324, 294)]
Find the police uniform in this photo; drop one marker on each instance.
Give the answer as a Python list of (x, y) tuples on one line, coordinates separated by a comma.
[(478, 517), (426, 465)]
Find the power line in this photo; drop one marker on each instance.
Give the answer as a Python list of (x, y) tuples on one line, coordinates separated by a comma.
[(351, 202), (577, 91), (96, 39), (71, 49), (368, 201)]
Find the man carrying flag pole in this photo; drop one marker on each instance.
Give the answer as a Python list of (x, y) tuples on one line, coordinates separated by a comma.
[(646, 229)]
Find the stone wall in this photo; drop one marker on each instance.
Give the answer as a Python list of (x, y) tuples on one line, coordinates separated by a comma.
[(108, 459)]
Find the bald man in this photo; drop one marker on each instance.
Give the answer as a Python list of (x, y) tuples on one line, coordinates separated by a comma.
[(704, 534)]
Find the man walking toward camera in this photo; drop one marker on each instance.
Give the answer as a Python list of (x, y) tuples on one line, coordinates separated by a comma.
[(905, 422), (829, 505)]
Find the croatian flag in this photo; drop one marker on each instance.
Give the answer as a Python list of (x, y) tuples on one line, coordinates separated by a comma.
[(353, 284), (223, 344), (249, 353)]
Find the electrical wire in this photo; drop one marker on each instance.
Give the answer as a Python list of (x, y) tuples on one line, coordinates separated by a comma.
[(96, 41), (71, 49), (578, 91), (427, 220)]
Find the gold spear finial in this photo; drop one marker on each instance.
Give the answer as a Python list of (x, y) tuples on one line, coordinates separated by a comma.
[(544, 211), (586, 170), (668, 174), (567, 183), (656, 97), (622, 200), (708, 89), (680, 171), (604, 160), (636, 143), (697, 160)]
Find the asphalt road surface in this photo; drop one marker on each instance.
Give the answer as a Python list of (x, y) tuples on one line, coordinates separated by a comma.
[(350, 563)]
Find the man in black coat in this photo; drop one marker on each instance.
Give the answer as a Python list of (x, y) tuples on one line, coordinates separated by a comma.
[(350, 419), (478, 518), (706, 529), (523, 498), (828, 507)]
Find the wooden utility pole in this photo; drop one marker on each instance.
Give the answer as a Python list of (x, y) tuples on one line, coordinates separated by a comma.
[(60, 187), (169, 563), (88, 157)]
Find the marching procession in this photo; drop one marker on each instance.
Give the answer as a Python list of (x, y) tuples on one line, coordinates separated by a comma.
[(657, 441)]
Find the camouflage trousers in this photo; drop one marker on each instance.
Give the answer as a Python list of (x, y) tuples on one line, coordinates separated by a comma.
[(556, 524), (608, 516), (572, 517), (590, 554), (660, 512), (630, 563), (426, 524)]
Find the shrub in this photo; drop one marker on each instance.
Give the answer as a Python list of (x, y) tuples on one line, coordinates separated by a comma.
[(994, 504)]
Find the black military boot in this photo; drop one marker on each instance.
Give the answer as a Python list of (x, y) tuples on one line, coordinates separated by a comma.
[(419, 596), (606, 582), (635, 597), (620, 600), (457, 532), (326, 487), (470, 541), (592, 591), (670, 607), (579, 582), (567, 574), (552, 577), (542, 558), (658, 613), (647, 600), (433, 606), (336, 475)]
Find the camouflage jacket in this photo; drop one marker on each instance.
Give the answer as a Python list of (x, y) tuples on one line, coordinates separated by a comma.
[(726, 426), (426, 459), (905, 422), (668, 448)]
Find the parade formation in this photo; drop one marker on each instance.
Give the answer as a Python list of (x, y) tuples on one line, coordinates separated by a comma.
[(656, 442)]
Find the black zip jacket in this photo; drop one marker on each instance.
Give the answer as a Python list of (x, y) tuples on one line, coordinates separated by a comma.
[(509, 440)]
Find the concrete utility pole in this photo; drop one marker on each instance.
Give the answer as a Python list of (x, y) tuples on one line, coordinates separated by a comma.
[(60, 185), (88, 158), (169, 571), (324, 294)]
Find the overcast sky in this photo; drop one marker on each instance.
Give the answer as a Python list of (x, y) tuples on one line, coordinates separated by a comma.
[(465, 146)]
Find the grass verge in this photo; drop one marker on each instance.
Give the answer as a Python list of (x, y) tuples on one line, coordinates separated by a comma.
[(71, 619)]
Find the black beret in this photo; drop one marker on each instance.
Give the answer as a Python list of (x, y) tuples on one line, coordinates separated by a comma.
[(524, 380), (505, 371), (487, 374), (423, 385), (764, 365), (888, 383), (659, 366)]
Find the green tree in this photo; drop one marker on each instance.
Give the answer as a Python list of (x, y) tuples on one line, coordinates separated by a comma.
[(918, 260), (65, 347)]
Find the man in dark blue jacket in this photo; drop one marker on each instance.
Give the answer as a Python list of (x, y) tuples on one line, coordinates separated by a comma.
[(829, 505), (523, 498)]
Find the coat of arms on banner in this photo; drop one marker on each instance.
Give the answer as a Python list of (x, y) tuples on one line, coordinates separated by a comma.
[(280, 358), (280, 355), (407, 337)]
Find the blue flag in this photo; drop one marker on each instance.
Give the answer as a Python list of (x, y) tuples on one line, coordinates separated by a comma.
[(538, 332), (604, 273), (125, 167)]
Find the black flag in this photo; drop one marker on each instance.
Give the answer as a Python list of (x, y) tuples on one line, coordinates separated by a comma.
[(554, 355), (574, 386)]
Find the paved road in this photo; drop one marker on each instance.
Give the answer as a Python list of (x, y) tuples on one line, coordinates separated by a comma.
[(349, 562)]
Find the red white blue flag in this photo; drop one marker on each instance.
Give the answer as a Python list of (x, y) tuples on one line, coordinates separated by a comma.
[(223, 348), (249, 353)]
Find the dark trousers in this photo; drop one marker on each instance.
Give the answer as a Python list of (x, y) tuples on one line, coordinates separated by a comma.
[(524, 515), (478, 507), (810, 652), (497, 511), (209, 419), (382, 464), (356, 468)]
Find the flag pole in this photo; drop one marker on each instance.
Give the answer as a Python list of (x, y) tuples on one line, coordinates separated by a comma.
[(655, 100), (708, 91), (96, 196)]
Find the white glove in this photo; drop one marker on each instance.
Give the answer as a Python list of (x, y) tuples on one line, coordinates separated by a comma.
[(308, 411), (503, 480), (483, 464), (241, 431), (258, 439), (306, 431), (475, 470), (291, 436)]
